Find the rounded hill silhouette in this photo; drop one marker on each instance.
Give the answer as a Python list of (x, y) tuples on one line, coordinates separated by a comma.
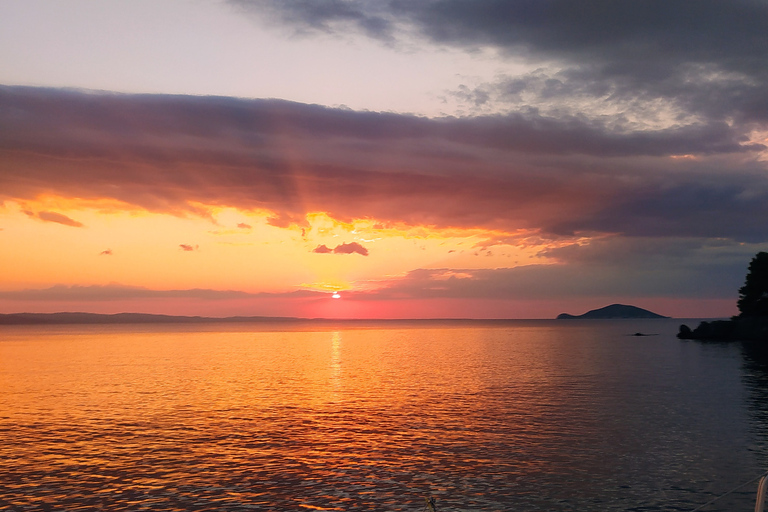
[(613, 311)]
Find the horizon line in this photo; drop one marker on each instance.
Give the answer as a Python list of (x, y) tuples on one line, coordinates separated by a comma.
[(86, 318)]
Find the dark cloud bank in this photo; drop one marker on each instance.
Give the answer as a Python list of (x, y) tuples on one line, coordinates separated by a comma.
[(557, 175), (708, 57)]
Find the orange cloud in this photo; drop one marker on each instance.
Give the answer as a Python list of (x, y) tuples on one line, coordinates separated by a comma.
[(322, 249), (351, 248)]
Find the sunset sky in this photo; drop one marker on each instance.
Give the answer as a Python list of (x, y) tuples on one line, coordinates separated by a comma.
[(435, 158)]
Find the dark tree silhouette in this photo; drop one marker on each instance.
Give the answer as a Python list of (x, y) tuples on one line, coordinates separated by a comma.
[(753, 296)]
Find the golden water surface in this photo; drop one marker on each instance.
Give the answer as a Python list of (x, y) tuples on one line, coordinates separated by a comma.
[(521, 416)]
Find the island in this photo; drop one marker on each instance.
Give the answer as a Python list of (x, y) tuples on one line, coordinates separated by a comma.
[(613, 311)]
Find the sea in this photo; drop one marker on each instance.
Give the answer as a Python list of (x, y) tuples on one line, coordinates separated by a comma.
[(540, 415)]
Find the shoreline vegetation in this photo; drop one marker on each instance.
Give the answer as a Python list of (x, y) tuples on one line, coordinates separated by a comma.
[(751, 324)]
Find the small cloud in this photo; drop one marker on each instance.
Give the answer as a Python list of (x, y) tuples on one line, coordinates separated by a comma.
[(185, 247), (350, 248), (322, 249), (58, 218), (243, 225), (108, 252)]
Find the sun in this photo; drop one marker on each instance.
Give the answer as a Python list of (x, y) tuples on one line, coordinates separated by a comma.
[(336, 295)]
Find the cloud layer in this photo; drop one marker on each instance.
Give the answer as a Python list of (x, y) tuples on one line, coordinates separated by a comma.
[(705, 58), (117, 292), (558, 175)]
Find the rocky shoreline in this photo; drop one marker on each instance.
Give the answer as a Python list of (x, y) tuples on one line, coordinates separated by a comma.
[(736, 329)]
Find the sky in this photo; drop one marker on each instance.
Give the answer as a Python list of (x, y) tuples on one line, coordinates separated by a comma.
[(381, 158)]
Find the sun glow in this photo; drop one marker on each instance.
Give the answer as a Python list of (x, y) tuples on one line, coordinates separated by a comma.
[(86, 243)]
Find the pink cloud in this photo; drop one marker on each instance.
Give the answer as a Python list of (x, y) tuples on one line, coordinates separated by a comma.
[(322, 249), (186, 247), (58, 218), (350, 248), (107, 252)]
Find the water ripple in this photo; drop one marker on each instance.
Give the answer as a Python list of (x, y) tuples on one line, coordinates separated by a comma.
[(531, 418)]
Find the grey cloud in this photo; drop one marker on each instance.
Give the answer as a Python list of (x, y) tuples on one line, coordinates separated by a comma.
[(650, 34), (708, 57), (327, 16), (705, 208), (618, 267)]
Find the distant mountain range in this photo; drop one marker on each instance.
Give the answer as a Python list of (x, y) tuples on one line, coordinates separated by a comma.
[(144, 318), (124, 318), (613, 311)]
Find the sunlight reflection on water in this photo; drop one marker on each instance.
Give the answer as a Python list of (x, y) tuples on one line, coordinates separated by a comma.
[(525, 416)]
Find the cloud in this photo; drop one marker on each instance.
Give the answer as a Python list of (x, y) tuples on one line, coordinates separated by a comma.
[(327, 16), (58, 218), (634, 64), (115, 292), (618, 267), (243, 225), (350, 248), (521, 170), (107, 252), (345, 248), (322, 249), (187, 248)]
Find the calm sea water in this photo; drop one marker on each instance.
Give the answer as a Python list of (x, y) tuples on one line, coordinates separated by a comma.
[(523, 416)]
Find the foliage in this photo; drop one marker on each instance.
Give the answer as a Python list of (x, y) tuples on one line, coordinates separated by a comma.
[(753, 296)]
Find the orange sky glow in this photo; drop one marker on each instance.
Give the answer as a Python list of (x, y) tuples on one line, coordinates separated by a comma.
[(124, 255)]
